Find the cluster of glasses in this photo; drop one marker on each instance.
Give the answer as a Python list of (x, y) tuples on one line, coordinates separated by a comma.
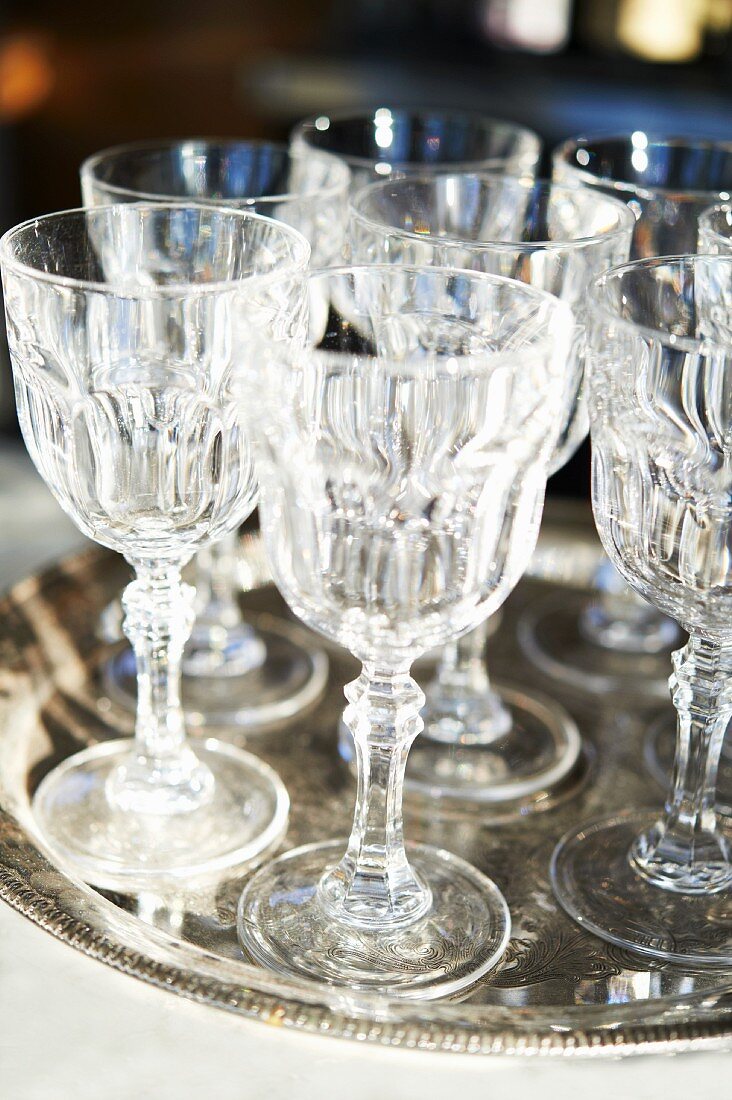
[(389, 334)]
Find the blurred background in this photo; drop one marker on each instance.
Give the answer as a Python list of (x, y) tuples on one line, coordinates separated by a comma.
[(76, 77)]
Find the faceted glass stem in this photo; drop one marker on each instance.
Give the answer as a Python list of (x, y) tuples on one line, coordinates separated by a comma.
[(462, 707), (222, 642), (163, 774), (374, 886), (685, 850)]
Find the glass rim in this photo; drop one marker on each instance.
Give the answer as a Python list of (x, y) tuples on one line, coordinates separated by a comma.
[(622, 210), (695, 345), (560, 312), (168, 290), (307, 125), (558, 156), (331, 189)]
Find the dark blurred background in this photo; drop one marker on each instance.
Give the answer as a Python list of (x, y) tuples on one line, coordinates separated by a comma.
[(78, 76)]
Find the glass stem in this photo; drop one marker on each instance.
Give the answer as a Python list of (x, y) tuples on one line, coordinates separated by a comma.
[(216, 583), (462, 706), (162, 774), (222, 642), (374, 885), (685, 850), (463, 666)]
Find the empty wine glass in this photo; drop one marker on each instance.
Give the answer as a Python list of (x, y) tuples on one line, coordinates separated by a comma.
[(660, 368), (402, 457), (715, 238), (397, 141), (125, 325), (616, 641), (235, 674), (481, 742)]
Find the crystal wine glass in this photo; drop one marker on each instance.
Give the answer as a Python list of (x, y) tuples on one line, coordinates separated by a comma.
[(388, 142), (715, 239), (660, 368), (402, 456), (481, 742), (125, 325), (398, 141), (616, 641), (235, 674)]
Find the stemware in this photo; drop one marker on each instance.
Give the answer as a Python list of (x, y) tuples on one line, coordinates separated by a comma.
[(660, 360), (125, 324), (504, 743), (234, 673), (715, 239), (402, 452), (388, 142), (616, 641), (397, 141)]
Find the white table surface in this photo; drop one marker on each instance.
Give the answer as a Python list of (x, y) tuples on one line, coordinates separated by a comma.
[(73, 1029)]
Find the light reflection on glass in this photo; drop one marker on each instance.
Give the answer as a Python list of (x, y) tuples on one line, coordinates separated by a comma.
[(639, 156), (383, 135), (639, 160)]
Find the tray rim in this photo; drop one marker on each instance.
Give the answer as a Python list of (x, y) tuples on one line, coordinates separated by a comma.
[(706, 1025)]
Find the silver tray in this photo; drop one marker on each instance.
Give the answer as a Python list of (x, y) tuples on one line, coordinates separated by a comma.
[(559, 991)]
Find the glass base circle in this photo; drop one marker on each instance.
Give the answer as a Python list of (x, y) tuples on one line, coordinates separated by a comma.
[(550, 634), (244, 819), (658, 753), (652, 634), (291, 678), (283, 926), (222, 652), (535, 756), (596, 885)]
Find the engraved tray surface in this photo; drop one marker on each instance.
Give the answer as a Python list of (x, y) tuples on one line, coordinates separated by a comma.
[(558, 990)]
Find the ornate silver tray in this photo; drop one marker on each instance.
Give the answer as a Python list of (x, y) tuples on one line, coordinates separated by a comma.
[(559, 991)]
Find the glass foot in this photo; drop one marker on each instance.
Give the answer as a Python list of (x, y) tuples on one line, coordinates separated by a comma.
[(551, 636), (539, 751), (291, 677), (222, 652), (597, 886), (284, 927), (658, 753), (242, 822)]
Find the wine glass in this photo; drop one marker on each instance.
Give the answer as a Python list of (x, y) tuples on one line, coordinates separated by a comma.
[(398, 141), (386, 142), (125, 325), (616, 641), (235, 674), (481, 742), (660, 363), (715, 239), (402, 450)]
